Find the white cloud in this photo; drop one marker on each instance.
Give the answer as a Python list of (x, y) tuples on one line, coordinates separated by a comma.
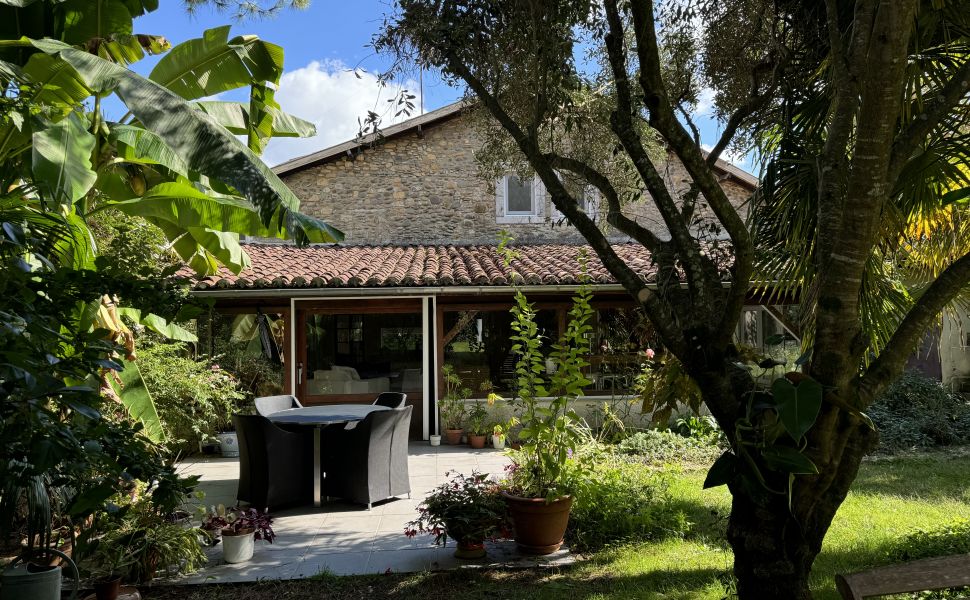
[(705, 102), (332, 97)]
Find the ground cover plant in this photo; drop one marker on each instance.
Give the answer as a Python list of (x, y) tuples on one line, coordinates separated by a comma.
[(918, 412), (893, 499)]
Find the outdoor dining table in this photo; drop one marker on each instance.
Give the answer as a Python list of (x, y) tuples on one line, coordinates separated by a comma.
[(319, 417)]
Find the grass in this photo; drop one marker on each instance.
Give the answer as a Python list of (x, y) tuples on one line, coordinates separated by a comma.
[(890, 498)]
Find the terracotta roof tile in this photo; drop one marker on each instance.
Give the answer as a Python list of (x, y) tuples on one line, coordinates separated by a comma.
[(286, 266)]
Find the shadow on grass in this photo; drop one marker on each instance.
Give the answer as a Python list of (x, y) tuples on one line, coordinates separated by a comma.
[(466, 584)]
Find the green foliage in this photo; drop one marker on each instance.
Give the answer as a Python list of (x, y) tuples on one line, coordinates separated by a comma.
[(664, 387), (478, 423), (660, 447), (621, 501), (137, 541), (451, 407), (466, 508), (550, 433), (918, 412), (194, 398)]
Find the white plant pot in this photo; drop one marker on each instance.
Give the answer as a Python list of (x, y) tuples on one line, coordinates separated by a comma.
[(498, 441), (436, 440), (228, 443), (238, 548)]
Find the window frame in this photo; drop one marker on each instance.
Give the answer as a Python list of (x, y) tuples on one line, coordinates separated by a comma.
[(538, 196)]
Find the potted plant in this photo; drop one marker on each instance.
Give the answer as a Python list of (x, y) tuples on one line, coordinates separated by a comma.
[(477, 425), (500, 431), (239, 529), (452, 405), (467, 509), (108, 565), (544, 471)]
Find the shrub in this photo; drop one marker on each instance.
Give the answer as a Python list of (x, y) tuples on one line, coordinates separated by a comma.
[(620, 501), (655, 446), (193, 398), (918, 412)]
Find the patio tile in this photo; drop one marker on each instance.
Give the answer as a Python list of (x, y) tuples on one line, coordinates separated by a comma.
[(348, 563), (341, 537)]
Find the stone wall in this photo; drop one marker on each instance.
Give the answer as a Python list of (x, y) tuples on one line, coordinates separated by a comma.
[(425, 188)]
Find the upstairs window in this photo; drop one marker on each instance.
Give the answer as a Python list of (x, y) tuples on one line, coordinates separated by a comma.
[(519, 200)]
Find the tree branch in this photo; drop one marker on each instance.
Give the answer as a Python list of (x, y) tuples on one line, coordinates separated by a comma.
[(621, 122), (892, 359), (615, 215), (663, 119), (660, 314)]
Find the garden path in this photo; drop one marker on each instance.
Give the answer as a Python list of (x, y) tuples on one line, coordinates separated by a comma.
[(346, 539)]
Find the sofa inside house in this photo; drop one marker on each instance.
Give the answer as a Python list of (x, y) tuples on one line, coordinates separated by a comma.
[(345, 380)]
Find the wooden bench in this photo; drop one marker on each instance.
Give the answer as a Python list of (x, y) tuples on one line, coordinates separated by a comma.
[(916, 576)]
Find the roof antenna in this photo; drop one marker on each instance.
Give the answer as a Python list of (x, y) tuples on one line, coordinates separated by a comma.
[(421, 85)]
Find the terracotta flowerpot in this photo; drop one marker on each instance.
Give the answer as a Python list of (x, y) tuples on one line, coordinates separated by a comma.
[(476, 441), (453, 436), (470, 550), (108, 589), (539, 526)]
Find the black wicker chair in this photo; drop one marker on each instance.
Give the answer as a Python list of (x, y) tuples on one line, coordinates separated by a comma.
[(369, 462), (268, 405), (391, 400), (275, 465)]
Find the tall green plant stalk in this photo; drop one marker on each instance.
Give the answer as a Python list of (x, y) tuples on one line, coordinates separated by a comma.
[(550, 435)]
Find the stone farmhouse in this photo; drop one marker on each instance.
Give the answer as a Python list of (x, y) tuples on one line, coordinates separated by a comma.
[(418, 283)]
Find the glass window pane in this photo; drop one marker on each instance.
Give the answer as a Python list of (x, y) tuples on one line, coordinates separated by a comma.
[(364, 354), (519, 196)]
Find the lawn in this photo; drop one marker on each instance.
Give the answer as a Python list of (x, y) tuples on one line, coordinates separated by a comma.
[(890, 498)]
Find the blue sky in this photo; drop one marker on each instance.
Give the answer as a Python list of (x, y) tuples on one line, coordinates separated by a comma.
[(323, 43)]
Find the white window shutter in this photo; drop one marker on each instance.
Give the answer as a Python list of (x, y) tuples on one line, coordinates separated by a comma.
[(500, 197), (538, 197)]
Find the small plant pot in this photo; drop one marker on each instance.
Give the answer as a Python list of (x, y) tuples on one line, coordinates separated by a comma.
[(435, 440), (498, 442), (476, 441), (238, 547), (108, 589), (228, 444), (453, 436), (470, 550)]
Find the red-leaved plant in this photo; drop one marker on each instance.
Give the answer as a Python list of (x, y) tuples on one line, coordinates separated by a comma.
[(467, 508), (237, 520)]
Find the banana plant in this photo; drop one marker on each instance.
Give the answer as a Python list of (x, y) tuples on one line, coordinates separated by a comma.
[(173, 158)]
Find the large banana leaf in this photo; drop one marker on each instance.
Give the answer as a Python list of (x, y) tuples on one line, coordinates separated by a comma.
[(204, 249), (204, 144), (83, 20), (159, 325), (183, 205), (138, 144), (235, 116), (62, 159), (53, 83), (212, 64), (138, 400)]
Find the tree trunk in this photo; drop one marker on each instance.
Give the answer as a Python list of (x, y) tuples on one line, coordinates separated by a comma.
[(772, 559), (775, 544)]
